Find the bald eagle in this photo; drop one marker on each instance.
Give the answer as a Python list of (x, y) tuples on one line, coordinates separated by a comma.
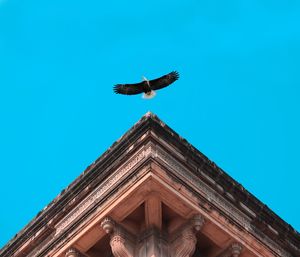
[(147, 87)]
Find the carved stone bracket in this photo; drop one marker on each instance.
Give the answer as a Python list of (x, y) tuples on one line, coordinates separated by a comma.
[(197, 222), (108, 225), (234, 250), (120, 242), (72, 252), (185, 243)]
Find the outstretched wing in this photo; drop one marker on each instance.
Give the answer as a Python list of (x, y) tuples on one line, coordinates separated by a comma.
[(164, 80), (128, 89)]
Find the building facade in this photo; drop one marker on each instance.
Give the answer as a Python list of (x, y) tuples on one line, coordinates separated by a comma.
[(152, 194)]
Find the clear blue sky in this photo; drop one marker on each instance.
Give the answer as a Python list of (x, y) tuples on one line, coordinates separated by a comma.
[(237, 100)]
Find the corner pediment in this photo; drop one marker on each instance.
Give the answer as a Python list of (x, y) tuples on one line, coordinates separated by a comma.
[(152, 184)]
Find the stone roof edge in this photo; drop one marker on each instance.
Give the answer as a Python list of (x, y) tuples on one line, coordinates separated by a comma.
[(265, 216), (151, 120), (43, 216)]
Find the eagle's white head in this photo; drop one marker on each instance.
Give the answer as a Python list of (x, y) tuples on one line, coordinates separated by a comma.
[(145, 79)]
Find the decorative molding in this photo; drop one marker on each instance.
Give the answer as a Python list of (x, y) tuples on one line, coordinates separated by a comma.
[(211, 195), (217, 200), (155, 151), (41, 246), (99, 192), (133, 145)]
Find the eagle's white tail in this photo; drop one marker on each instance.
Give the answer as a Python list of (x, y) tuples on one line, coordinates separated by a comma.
[(149, 95)]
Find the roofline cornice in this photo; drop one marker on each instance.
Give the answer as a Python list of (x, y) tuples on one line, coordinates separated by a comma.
[(264, 219)]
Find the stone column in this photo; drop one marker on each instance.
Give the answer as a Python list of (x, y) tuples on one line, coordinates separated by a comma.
[(152, 243)]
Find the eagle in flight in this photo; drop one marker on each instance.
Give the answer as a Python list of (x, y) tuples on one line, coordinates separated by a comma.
[(147, 87)]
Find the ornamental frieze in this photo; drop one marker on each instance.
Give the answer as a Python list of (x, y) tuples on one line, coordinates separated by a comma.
[(215, 199), (102, 189)]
